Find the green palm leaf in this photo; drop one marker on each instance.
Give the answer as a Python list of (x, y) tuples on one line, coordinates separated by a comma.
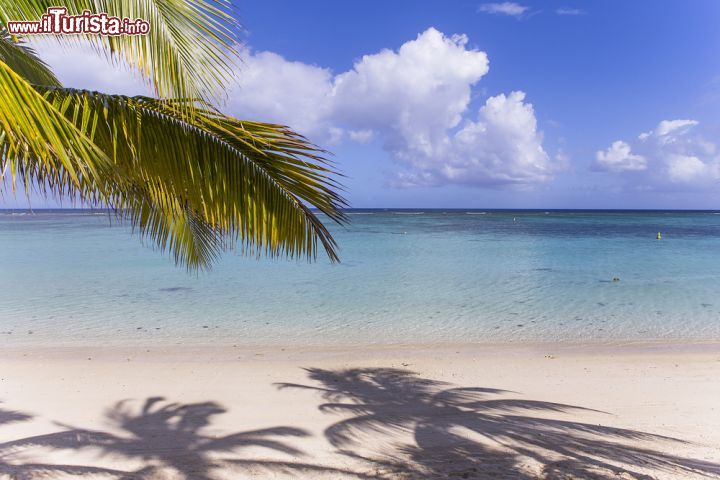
[(190, 179), (202, 184), (31, 128), (21, 58), (190, 51)]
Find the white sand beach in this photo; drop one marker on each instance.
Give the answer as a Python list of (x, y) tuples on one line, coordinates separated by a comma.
[(471, 411), (359, 240)]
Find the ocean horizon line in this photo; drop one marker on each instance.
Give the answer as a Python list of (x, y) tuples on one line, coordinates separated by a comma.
[(408, 209)]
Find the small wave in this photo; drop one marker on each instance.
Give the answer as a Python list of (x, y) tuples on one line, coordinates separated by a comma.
[(475, 213), (361, 213), (408, 213)]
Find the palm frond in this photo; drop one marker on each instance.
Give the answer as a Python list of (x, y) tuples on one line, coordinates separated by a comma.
[(23, 60), (188, 178), (202, 184), (31, 127), (190, 51)]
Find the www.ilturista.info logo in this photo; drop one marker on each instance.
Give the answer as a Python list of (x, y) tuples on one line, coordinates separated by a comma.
[(57, 21)]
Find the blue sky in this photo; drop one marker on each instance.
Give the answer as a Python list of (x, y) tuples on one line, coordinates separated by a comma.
[(567, 104)]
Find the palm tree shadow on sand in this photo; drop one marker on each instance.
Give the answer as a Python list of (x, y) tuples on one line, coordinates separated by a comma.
[(478, 433), (28, 471), (10, 416), (166, 437)]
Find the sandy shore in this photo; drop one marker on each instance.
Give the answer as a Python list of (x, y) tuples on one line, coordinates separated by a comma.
[(471, 411)]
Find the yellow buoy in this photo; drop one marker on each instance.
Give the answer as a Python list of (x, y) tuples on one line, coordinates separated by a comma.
[(659, 237)]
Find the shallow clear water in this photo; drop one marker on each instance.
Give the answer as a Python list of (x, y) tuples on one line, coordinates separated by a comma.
[(406, 276)]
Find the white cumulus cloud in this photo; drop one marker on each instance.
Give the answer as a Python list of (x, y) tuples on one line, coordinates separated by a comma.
[(671, 156), (667, 127), (274, 89), (503, 146), (619, 158), (415, 101)]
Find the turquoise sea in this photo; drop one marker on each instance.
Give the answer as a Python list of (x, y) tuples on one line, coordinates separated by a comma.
[(407, 276)]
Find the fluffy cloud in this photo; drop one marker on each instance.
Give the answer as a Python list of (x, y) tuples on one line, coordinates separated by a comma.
[(80, 66), (415, 93), (667, 127), (425, 85), (503, 146), (619, 158), (671, 156), (505, 8), (415, 101), (277, 90)]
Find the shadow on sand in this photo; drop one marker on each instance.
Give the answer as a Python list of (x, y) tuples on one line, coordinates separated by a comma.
[(480, 433), (393, 424), (27, 471), (168, 438)]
